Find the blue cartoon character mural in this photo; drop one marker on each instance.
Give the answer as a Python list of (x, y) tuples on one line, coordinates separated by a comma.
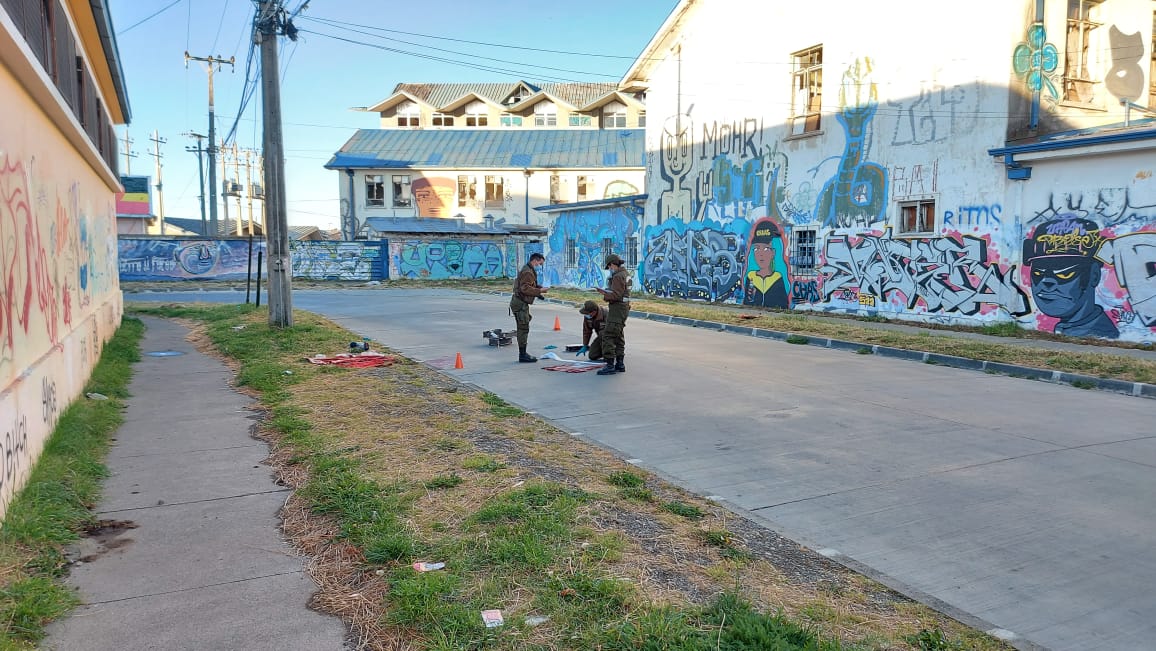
[(1064, 275), (766, 283)]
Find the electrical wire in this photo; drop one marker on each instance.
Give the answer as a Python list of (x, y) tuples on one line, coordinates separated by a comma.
[(149, 17), (221, 24), (478, 56), (339, 23), (504, 71)]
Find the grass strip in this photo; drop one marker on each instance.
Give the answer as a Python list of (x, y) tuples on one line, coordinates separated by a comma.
[(55, 504), (405, 466)]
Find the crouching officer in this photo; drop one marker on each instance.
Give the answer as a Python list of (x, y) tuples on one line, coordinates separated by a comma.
[(618, 298), (526, 289), (593, 324)]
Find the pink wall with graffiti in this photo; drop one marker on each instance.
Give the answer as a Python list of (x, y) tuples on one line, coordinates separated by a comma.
[(60, 298)]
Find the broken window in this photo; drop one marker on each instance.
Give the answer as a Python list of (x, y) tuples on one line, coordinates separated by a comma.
[(806, 90), (916, 217), (402, 198), (1080, 60)]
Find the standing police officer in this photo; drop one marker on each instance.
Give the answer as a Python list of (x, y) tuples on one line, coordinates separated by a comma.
[(618, 297), (526, 289)]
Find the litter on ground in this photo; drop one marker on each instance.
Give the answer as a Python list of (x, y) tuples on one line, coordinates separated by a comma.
[(368, 359)]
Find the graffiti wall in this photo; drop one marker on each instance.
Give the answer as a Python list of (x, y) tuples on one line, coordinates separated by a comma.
[(175, 259), (60, 300), (1089, 259), (153, 259), (362, 261), (448, 259), (860, 181), (579, 239)]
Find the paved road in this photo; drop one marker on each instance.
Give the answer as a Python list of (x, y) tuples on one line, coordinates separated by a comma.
[(1020, 506)]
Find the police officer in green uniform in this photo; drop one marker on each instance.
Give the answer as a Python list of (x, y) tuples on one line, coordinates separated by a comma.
[(618, 297), (526, 289)]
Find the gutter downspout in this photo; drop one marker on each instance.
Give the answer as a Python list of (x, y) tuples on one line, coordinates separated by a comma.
[(527, 173), (351, 222)]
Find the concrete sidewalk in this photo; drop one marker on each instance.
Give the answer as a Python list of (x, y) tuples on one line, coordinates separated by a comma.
[(192, 556)]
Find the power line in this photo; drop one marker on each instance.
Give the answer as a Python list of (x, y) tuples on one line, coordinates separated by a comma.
[(150, 16), (503, 71), (459, 40), (221, 24), (478, 56)]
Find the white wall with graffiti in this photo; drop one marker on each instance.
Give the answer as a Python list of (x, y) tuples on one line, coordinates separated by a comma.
[(152, 259), (794, 163), (460, 258), (60, 300)]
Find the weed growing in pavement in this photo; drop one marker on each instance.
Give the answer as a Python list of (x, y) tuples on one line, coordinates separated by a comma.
[(55, 504), (797, 339)]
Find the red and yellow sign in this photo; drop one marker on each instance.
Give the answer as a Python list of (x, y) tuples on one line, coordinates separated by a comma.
[(136, 199)]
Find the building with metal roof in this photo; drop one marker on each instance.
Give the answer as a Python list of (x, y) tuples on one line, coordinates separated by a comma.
[(511, 105), (471, 174)]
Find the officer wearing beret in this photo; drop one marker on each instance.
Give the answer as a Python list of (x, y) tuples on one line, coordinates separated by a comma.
[(617, 297), (593, 324)]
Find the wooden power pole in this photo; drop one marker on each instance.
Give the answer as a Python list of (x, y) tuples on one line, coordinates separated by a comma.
[(272, 22), (157, 142)]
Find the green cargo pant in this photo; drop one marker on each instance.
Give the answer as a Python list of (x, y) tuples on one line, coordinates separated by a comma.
[(521, 312), (613, 339)]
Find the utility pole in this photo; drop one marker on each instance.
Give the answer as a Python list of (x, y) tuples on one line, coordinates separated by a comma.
[(272, 21), (128, 154), (249, 187), (157, 142), (225, 186), (237, 186), (218, 62), (200, 175)]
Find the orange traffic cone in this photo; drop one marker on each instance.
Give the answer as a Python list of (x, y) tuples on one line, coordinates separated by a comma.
[(557, 323), (458, 362)]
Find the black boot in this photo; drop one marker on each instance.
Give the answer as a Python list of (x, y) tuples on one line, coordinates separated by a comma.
[(608, 369), (523, 356), (620, 365)]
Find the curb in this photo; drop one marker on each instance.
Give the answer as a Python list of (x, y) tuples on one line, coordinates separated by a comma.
[(1135, 389)]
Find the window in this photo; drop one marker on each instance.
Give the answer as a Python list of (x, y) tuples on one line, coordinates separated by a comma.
[(632, 251), (571, 252), (509, 120), (577, 120), (518, 95), (545, 114), (803, 251), (495, 192), (558, 189), (806, 90), (467, 191), (607, 247), (1080, 75), (374, 190), (48, 25), (443, 120), (585, 188), (402, 196), (81, 94), (614, 116), (917, 217), (477, 114), (641, 119), (408, 115)]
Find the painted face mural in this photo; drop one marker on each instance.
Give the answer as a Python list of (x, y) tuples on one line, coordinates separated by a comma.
[(1064, 274), (434, 196), (765, 284)]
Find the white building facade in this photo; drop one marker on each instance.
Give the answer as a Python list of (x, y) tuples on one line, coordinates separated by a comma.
[(990, 162)]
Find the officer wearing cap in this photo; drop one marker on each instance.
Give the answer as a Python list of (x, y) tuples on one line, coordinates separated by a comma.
[(593, 324), (617, 296)]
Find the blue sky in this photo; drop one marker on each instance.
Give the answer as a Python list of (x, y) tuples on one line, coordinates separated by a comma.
[(324, 77)]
